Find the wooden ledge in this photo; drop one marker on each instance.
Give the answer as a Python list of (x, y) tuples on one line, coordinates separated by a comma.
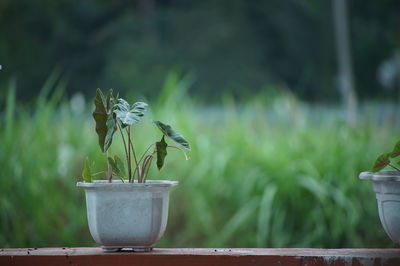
[(201, 256)]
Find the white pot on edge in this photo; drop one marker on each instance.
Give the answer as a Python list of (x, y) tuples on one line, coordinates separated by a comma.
[(386, 185), (127, 215)]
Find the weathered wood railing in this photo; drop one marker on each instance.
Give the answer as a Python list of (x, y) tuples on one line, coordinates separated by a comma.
[(201, 256)]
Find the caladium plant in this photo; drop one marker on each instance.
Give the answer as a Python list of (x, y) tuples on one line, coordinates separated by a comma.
[(114, 114), (386, 159)]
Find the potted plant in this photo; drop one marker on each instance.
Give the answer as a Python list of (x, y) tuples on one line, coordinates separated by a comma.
[(386, 184), (128, 212)]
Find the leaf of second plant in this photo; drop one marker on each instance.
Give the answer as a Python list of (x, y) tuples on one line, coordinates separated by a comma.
[(381, 162), (396, 150)]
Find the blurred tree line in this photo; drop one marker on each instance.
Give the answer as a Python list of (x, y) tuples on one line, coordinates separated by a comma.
[(233, 46)]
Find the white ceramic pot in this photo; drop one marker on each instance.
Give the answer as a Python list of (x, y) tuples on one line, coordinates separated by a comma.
[(386, 185), (127, 215)]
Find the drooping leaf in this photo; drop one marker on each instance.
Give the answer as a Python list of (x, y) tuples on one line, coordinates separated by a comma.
[(87, 172), (172, 134), (396, 150), (381, 162), (102, 114), (129, 114), (117, 166), (161, 147)]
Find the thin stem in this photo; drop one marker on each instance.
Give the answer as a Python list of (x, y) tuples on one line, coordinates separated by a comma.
[(126, 151), (134, 172), (148, 168), (145, 164), (131, 178), (102, 172), (109, 173), (144, 168), (394, 167), (133, 150), (184, 153), (141, 158)]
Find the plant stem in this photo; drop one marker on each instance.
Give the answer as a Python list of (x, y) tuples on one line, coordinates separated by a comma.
[(131, 177), (141, 158), (134, 173), (126, 152), (146, 164), (133, 151), (143, 168), (394, 167), (109, 175), (98, 173), (184, 153), (148, 168)]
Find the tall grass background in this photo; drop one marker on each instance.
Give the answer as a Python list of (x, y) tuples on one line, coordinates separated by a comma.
[(268, 172)]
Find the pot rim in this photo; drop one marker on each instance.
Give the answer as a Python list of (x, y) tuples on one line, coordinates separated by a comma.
[(118, 183), (383, 175)]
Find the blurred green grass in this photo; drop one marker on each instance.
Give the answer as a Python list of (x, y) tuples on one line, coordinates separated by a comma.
[(270, 172)]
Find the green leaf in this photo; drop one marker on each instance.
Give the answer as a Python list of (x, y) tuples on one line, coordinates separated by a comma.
[(109, 101), (111, 128), (102, 114), (161, 147), (396, 150), (127, 114), (172, 134), (117, 166), (87, 173), (381, 162)]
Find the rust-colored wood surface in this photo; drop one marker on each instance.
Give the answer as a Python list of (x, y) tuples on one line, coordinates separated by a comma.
[(201, 256)]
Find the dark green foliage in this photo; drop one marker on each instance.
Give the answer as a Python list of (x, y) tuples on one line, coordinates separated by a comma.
[(161, 149), (104, 117), (111, 128), (111, 114)]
